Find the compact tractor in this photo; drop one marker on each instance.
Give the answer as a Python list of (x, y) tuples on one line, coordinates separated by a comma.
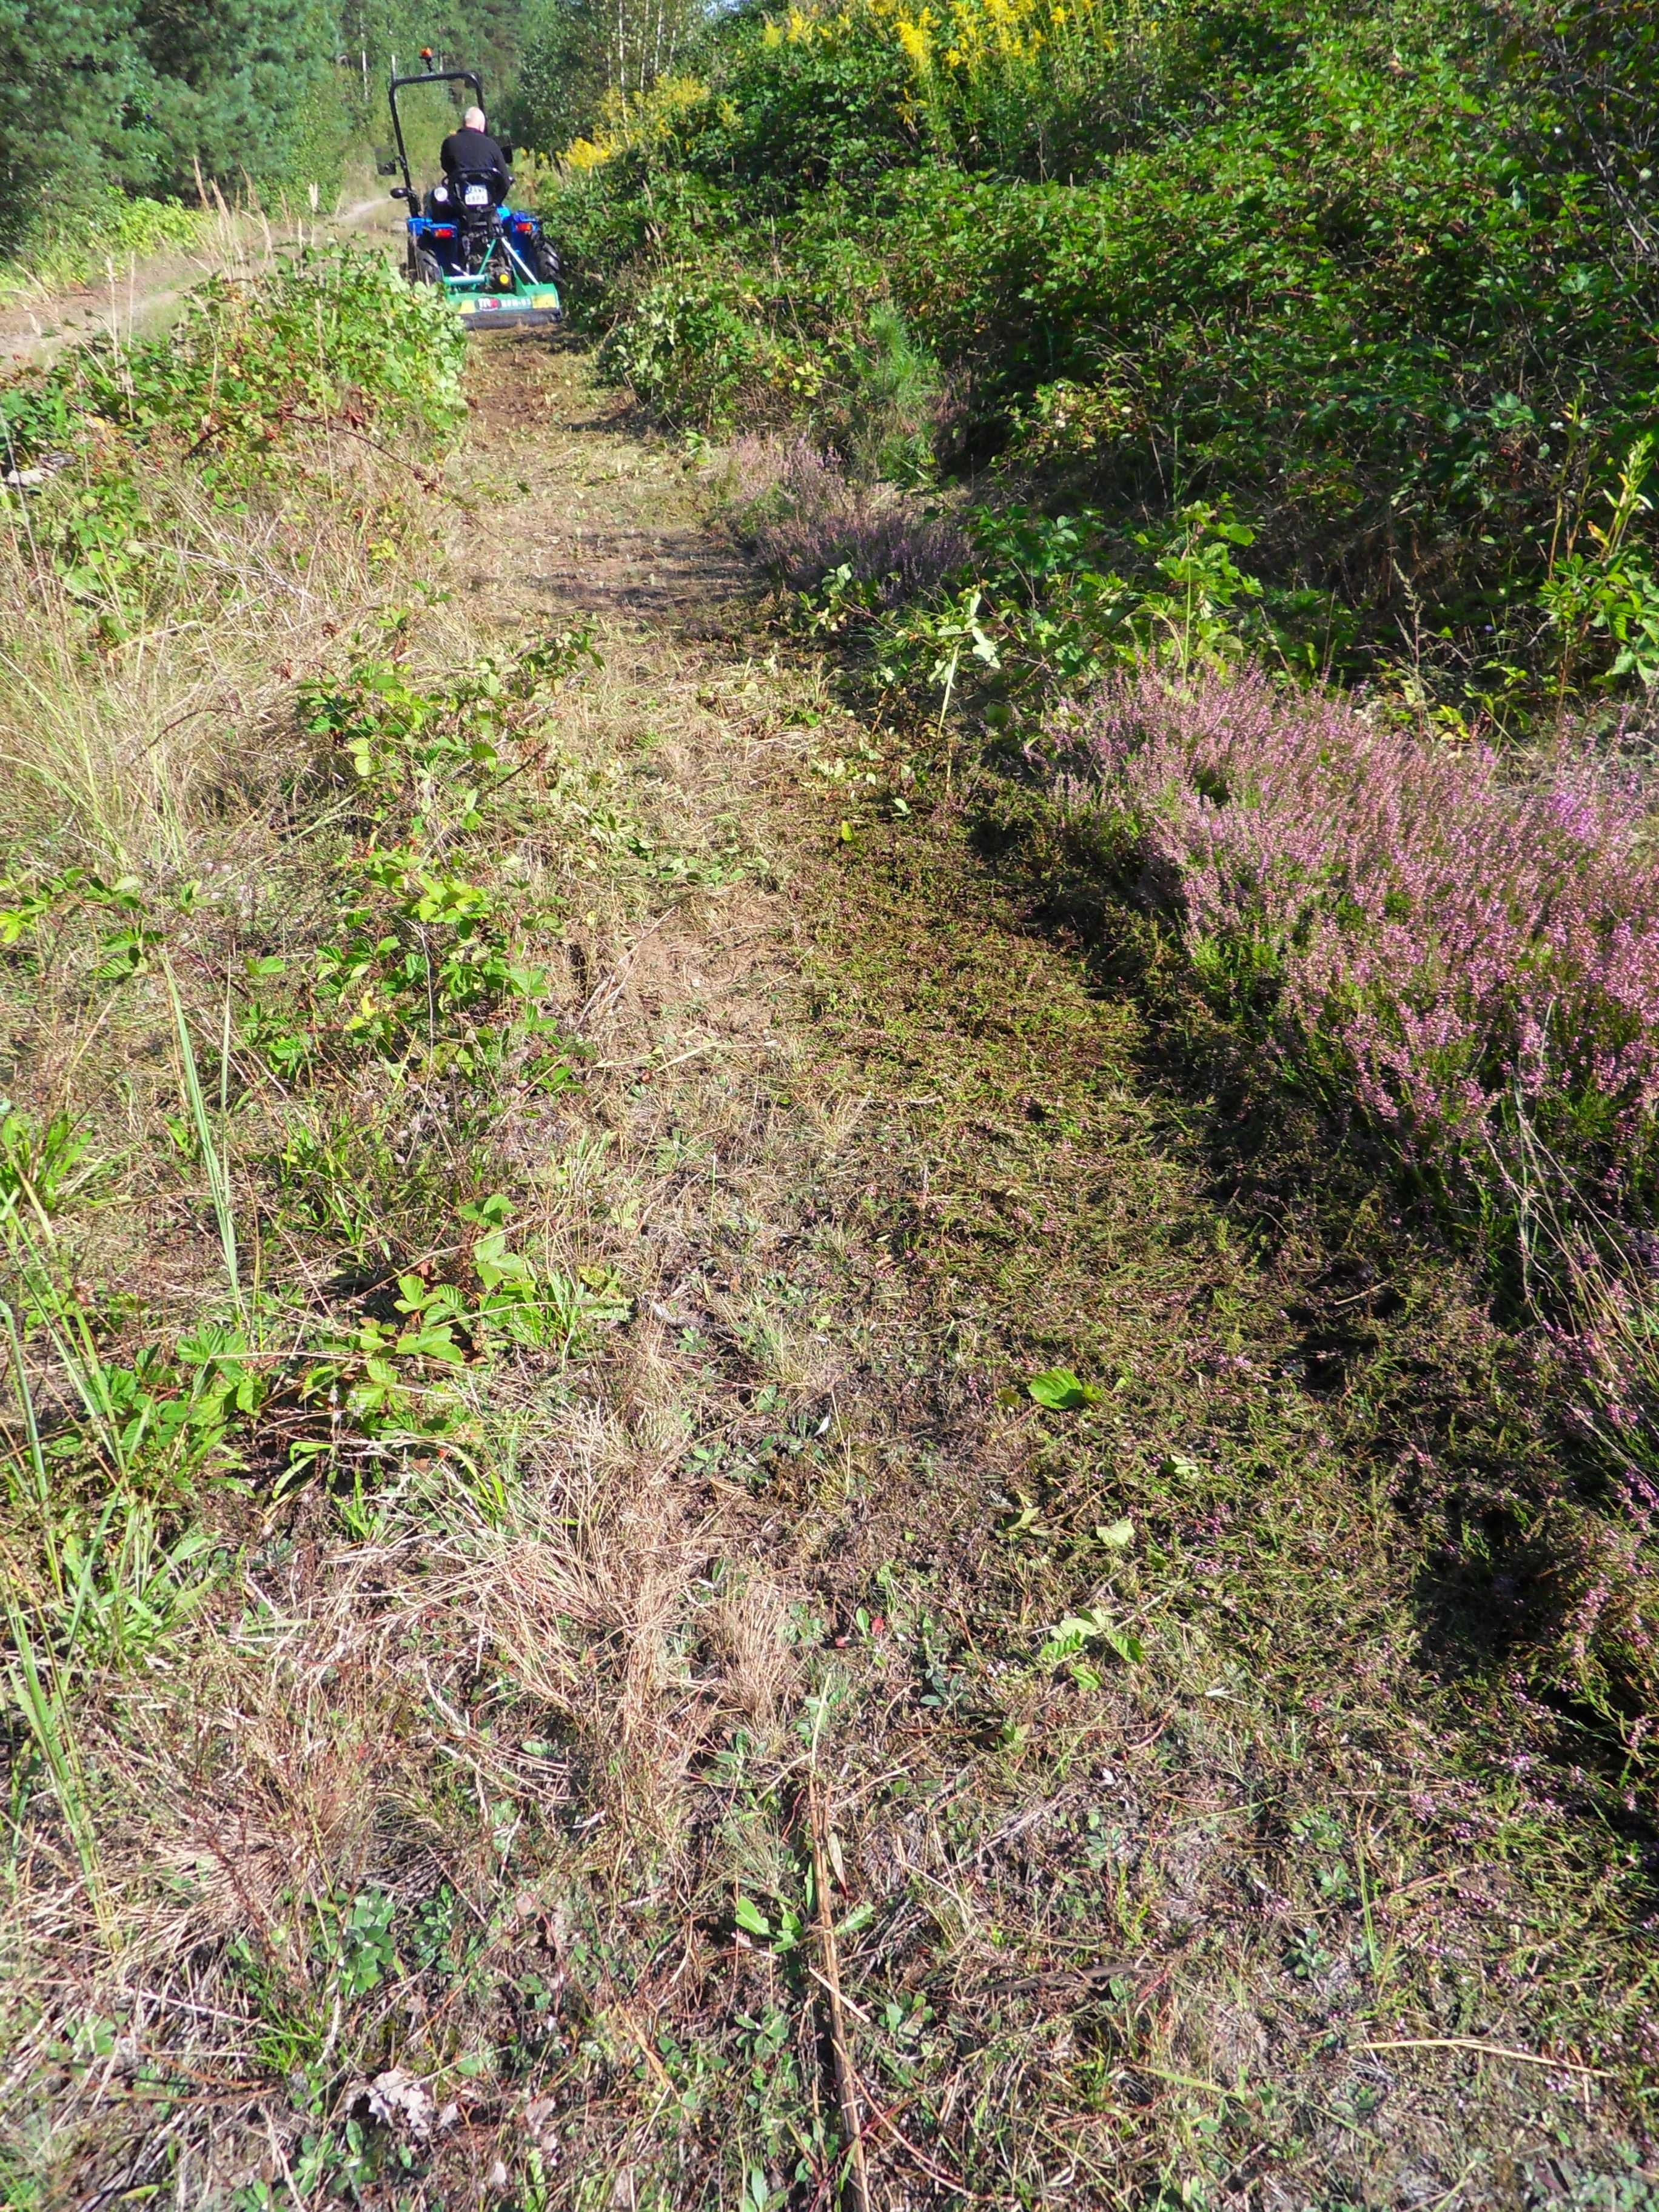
[(492, 262)]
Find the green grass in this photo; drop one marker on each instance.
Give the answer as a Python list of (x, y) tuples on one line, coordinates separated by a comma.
[(80, 246)]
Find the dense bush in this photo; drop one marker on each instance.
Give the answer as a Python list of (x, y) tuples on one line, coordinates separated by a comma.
[(77, 243), (246, 357), (1344, 267)]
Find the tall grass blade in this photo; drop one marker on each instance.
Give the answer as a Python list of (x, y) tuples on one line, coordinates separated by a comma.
[(47, 1721), (67, 1325), (43, 1711), (215, 1156), (42, 1488)]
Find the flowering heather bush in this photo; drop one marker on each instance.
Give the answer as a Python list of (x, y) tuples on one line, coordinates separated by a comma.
[(1464, 948), (806, 521), (1473, 955)]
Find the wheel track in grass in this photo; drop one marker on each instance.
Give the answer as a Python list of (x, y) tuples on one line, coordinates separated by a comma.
[(1194, 1842), (894, 1147)]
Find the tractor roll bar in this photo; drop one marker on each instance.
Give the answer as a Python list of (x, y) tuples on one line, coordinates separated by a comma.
[(432, 76)]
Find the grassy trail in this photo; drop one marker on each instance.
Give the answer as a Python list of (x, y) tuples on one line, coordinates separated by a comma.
[(862, 1426), (1195, 1851)]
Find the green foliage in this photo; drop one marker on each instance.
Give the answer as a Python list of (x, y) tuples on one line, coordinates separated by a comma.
[(560, 75), (1049, 603), (695, 353), (888, 429), (801, 115), (252, 369), (246, 358), (237, 84), (74, 244), (1380, 281), (69, 73), (1609, 595), (1059, 1390), (140, 93), (420, 959), (1080, 1632), (103, 97), (417, 957)]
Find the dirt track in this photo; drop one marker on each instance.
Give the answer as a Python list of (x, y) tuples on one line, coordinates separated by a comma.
[(891, 1142), (139, 297)]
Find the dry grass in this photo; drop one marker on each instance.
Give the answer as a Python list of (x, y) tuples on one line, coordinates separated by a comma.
[(148, 754)]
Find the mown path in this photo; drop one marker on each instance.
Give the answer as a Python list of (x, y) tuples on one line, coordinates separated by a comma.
[(1217, 1896)]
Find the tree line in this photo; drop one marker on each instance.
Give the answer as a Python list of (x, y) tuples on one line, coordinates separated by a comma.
[(268, 97)]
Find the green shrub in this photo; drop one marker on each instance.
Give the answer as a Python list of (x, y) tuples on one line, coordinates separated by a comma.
[(693, 356), (247, 355), (77, 246), (252, 370), (801, 113), (1362, 274)]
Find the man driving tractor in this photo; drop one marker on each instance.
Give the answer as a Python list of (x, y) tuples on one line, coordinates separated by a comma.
[(471, 152)]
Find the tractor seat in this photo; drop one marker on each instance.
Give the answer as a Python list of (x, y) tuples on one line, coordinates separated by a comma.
[(472, 197)]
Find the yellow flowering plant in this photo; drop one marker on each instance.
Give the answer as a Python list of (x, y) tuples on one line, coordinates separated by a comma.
[(979, 70), (657, 119)]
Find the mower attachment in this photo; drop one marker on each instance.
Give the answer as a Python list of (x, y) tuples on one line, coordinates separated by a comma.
[(482, 309)]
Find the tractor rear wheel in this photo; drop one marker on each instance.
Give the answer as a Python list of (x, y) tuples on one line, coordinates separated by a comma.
[(546, 263), (428, 268)]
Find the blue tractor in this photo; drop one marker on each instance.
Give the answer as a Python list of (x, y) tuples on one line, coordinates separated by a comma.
[(492, 262)]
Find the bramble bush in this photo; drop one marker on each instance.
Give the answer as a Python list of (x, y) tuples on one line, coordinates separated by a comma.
[(332, 333), (419, 969), (114, 447)]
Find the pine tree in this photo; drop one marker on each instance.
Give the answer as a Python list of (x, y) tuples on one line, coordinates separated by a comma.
[(73, 106), (237, 83)]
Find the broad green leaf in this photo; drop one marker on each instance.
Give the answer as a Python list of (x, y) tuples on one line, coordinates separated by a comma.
[(1059, 1390)]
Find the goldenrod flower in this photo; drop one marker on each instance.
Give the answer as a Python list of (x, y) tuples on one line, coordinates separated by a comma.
[(913, 37)]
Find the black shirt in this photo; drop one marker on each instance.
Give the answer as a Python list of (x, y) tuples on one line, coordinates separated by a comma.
[(475, 153)]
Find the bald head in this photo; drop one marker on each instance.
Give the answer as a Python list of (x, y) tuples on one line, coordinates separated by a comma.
[(473, 119)]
